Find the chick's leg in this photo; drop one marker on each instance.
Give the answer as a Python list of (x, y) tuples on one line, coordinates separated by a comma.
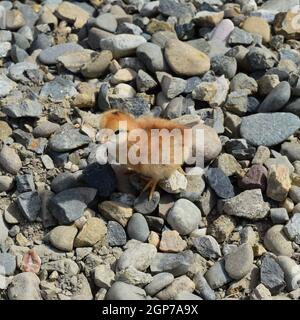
[(152, 185)]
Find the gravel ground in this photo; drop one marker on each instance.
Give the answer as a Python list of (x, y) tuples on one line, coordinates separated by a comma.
[(71, 228)]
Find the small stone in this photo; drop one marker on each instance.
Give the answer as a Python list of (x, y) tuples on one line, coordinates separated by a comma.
[(7, 264), (172, 86), (271, 275), (14, 20), (58, 90), (221, 228), (25, 183), (64, 181), (243, 82), (214, 93), (26, 108), (49, 55), (184, 216), (3, 229), (47, 162), (100, 177), (224, 65), (291, 150), (175, 263), (6, 86), (151, 55), (112, 210), (279, 182), (292, 228), (220, 183), (144, 81), (92, 232), (123, 291), (182, 283), (228, 164), (260, 58), (261, 156), (62, 237), (21, 240), (222, 30), (123, 75), (67, 139), (193, 63), (176, 183), (137, 227), (139, 255), (171, 242), (207, 246), (294, 193), (279, 215), (277, 98), (73, 61), (260, 293), (159, 282), (116, 235), (63, 266), (276, 241), (208, 18), (6, 183), (258, 25), (267, 83), (69, 205), (237, 102), (238, 262), (25, 286), (284, 24), (98, 65), (217, 276), (195, 186), (29, 204), (122, 45), (134, 277), (240, 37), (73, 14), (45, 128), (107, 22), (203, 288), (248, 204), (103, 276), (255, 178)]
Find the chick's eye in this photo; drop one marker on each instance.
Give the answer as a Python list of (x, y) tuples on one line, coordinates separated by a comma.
[(117, 131)]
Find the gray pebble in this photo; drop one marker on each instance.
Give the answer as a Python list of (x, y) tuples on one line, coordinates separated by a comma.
[(207, 246), (7, 264), (159, 282), (175, 263), (30, 204), (116, 235), (143, 205), (137, 227), (271, 275), (184, 216)]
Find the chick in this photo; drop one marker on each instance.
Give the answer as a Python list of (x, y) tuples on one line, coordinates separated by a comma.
[(166, 159)]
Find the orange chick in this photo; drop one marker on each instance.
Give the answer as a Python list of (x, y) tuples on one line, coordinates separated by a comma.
[(158, 159)]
